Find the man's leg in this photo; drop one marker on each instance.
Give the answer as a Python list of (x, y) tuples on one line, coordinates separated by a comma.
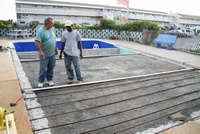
[(42, 70), (50, 67), (68, 67), (75, 61)]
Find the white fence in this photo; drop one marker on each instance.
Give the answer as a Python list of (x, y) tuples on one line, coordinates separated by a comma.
[(88, 33)]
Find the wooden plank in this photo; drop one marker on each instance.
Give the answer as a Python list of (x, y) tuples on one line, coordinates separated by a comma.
[(188, 128)]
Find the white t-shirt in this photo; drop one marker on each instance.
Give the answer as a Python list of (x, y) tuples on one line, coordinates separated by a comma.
[(71, 42)]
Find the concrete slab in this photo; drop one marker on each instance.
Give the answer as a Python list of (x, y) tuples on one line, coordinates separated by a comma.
[(195, 64), (7, 69)]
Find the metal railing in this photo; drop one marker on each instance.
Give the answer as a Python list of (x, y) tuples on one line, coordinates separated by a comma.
[(191, 45)]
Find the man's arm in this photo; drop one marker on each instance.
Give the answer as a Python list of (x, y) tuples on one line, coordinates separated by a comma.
[(40, 52), (79, 44), (56, 48), (80, 48), (61, 51)]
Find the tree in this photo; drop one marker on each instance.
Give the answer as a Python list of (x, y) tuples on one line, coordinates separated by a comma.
[(107, 24), (2, 25)]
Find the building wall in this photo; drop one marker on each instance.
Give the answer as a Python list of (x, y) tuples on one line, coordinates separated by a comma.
[(34, 11)]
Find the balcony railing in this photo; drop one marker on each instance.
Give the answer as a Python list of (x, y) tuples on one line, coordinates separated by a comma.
[(59, 12), (151, 18)]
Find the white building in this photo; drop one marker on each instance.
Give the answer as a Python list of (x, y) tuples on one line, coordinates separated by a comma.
[(37, 10)]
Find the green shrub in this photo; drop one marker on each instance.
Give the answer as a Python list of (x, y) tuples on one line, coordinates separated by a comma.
[(59, 25), (140, 25), (33, 26), (107, 24), (3, 24), (137, 25), (77, 27)]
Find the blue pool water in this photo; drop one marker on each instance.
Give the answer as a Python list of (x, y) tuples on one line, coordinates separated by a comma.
[(86, 44)]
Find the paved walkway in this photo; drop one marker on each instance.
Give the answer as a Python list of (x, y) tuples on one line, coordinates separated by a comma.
[(10, 89)]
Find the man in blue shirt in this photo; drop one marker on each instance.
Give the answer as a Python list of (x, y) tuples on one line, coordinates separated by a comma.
[(45, 42)]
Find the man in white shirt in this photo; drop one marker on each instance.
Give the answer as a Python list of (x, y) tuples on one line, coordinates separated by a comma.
[(71, 42)]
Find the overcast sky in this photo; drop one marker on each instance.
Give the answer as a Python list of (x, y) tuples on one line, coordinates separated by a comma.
[(189, 7), (7, 10)]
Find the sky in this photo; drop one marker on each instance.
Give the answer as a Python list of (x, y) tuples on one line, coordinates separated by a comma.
[(7, 10), (189, 7)]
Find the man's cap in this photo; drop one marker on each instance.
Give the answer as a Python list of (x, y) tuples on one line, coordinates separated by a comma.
[(68, 23)]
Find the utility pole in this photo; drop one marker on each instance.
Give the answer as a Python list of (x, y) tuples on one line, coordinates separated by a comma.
[(127, 11)]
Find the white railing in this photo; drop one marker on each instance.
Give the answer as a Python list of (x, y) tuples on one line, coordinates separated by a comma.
[(59, 11), (189, 22)]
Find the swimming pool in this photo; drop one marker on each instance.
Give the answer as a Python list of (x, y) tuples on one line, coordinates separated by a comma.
[(86, 44), (27, 50)]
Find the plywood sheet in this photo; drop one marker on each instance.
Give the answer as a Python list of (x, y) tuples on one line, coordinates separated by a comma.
[(188, 128)]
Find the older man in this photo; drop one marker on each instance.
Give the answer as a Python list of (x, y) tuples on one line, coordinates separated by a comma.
[(45, 42)]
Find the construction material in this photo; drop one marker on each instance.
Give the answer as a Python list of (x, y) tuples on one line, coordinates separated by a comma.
[(123, 106), (15, 102), (5, 122), (13, 129), (178, 117), (7, 125)]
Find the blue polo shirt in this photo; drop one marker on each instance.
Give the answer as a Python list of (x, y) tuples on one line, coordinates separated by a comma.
[(47, 40)]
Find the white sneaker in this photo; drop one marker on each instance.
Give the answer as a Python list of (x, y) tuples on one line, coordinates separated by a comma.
[(70, 81), (50, 83), (40, 85), (80, 82)]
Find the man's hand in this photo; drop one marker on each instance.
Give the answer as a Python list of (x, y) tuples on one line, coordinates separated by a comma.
[(60, 57), (81, 56), (56, 51), (41, 54)]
